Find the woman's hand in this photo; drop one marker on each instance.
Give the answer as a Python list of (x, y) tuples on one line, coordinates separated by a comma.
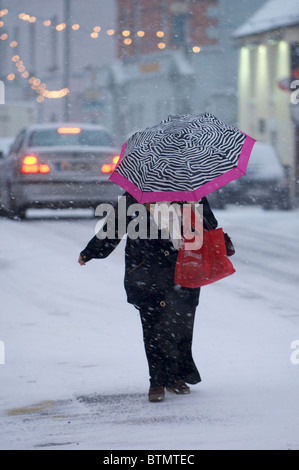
[(81, 262)]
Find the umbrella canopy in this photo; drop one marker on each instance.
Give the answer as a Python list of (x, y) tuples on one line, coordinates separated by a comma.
[(184, 158)]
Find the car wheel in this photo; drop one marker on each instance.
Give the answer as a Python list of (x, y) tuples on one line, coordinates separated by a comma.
[(16, 213), (284, 203), (9, 207)]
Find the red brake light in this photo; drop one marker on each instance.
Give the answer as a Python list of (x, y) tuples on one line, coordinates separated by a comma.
[(29, 169), (69, 130), (30, 165), (109, 167), (44, 168)]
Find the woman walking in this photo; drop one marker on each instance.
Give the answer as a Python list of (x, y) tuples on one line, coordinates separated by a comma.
[(167, 311)]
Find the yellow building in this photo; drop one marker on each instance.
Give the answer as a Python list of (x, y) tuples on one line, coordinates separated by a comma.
[(267, 80)]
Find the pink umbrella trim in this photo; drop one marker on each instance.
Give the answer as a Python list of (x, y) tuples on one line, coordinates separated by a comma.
[(195, 195)]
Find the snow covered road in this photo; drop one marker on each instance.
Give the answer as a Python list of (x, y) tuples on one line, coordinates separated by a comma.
[(75, 374)]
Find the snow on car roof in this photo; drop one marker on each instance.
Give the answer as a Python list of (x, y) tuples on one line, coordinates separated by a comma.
[(55, 125)]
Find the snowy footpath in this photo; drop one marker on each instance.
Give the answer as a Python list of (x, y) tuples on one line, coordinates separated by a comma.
[(73, 372)]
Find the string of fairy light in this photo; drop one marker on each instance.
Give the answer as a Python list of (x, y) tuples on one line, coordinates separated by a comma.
[(36, 84)]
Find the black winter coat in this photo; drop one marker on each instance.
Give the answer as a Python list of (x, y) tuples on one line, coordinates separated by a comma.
[(149, 267)]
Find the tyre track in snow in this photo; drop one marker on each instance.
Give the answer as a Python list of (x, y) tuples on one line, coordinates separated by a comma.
[(276, 267), (266, 259), (272, 250)]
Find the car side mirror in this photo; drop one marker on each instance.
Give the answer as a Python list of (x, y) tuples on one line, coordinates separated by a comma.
[(1, 154)]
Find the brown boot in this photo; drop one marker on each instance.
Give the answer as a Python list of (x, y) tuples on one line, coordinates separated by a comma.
[(180, 388), (156, 394)]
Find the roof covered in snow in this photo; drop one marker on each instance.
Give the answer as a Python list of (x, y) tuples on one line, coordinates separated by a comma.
[(159, 64), (274, 14)]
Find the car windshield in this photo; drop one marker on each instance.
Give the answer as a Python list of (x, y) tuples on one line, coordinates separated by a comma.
[(69, 137)]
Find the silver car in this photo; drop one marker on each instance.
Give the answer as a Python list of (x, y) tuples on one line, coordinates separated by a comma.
[(265, 183), (58, 166)]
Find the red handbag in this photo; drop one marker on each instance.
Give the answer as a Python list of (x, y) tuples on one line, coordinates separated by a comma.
[(210, 263)]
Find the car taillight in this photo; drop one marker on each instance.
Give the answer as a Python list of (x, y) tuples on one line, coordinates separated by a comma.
[(31, 165), (30, 160), (109, 167), (44, 168)]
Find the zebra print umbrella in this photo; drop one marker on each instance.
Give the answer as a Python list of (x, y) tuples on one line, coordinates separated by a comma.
[(183, 158)]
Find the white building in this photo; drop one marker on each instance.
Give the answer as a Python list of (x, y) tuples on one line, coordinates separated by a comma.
[(216, 66), (268, 66), (139, 90), (138, 93)]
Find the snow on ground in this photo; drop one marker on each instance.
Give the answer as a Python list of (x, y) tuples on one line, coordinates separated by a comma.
[(75, 373)]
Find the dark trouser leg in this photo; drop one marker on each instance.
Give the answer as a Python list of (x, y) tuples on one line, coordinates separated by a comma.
[(152, 337), (168, 345), (187, 369)]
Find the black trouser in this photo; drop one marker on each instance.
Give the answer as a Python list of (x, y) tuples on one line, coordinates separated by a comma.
[(168, 335)]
